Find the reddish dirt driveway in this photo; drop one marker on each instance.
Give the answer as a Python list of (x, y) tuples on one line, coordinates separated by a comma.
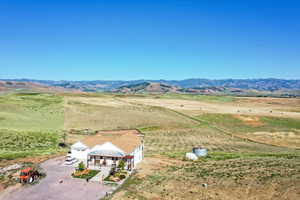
[(50, 187)]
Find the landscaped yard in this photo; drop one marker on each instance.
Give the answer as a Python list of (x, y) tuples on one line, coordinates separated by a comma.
[(86, 174)]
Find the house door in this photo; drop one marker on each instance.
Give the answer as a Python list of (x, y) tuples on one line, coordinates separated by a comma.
[(97, 162)]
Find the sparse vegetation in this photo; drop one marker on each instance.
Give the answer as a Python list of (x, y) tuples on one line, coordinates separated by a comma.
[(272, 130), (17, 144), (247, 123)]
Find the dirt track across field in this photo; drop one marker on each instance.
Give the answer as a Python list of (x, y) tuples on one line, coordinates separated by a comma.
[(57, 185)]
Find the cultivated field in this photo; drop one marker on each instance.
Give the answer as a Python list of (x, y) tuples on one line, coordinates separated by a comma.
[(253, 143)]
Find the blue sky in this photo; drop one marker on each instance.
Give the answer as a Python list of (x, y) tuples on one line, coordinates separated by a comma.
[(126, 40)]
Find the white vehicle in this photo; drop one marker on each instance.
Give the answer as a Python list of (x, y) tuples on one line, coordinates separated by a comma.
[(70, 160)]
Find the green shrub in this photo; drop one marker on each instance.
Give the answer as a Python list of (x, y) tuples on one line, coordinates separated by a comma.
[(122, 176), (121, 164), (81, 166)]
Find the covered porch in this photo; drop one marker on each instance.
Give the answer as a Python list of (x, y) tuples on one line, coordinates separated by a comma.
[(108, 155), (102, 161)]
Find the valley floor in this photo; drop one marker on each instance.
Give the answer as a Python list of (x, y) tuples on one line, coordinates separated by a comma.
[(253, 143)]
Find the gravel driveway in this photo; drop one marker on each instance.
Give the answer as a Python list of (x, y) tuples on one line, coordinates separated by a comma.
[(50, 187)]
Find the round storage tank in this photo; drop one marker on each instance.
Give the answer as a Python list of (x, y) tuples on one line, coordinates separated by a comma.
[(200, 152)]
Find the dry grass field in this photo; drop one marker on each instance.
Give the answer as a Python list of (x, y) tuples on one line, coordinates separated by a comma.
[(248, 106), (243, 163), (230, 179), (253, 143), (109, 113)]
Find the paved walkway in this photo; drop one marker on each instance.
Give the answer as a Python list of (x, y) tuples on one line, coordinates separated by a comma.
[(58, 185), (101, 175)]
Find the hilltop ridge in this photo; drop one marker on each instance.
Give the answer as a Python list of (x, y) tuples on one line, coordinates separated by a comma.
[(268, 86)]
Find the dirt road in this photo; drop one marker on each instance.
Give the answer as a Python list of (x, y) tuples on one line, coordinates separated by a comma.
[(50, 187)]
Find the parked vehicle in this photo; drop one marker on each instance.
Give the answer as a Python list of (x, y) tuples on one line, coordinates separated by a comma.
[(70, 161), (29, 175)]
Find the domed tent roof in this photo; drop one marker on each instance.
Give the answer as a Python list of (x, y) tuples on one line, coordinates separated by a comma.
[(79, 146), (107, 149)]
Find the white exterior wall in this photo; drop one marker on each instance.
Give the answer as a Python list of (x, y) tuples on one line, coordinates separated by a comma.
[(138, 154), (80, 155)]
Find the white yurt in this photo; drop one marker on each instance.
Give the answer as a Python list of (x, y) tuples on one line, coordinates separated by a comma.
[(79, 151)]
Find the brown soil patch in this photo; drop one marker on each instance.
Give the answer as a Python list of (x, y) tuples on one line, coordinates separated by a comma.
[(151, 164), (253, 121), (36, 160), (1, 187)]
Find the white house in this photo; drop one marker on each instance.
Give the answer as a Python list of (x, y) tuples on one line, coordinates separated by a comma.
[(109, 147)]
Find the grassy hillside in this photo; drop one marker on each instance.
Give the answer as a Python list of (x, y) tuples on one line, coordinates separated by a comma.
[(32, 112), (30, 124)]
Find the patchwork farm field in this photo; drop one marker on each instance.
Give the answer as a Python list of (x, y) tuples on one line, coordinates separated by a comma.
[(253, 143)]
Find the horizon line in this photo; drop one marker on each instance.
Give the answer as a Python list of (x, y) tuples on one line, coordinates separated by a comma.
[(141, 79)]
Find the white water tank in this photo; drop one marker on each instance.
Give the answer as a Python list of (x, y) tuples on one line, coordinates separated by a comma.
[(191, 156)]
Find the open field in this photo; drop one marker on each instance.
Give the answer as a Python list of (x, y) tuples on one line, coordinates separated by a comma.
[(237, 167), (31, 112), (223, 105), (176, 142), (229, 179), (234, 169), (31, 124), (270, 130), (109, 113)]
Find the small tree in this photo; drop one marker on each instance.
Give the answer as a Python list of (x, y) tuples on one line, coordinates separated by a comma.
[(81, 166), (121, 164)]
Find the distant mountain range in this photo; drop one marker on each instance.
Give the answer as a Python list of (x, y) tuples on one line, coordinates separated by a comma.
[(208, 86), (19, 86)]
